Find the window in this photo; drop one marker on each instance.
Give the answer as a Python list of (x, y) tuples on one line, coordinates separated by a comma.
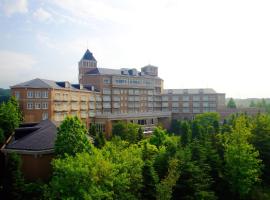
[(44, 94), (205, 104), (17, 95), (196, 104), (175, 98), (175, 104), (196, 98), (106, 91), (44, 105), (196, 110), (205, 97), (29, 94), (186, 104), (165, 98), (185, 110), (106, 81), (37, 94), (29, 105), (44, 116), (37, 106), (185, 98)]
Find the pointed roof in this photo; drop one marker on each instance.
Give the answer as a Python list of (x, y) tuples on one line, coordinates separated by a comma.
[(88, 56)]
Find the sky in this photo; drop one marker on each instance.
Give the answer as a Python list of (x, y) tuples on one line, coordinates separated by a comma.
[(224, 45)]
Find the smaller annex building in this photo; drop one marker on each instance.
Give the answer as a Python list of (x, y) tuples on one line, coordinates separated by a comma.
[(34, 142)]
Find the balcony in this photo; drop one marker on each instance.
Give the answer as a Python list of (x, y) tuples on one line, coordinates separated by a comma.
[(91, 114), (58, 98), (116, 98), (74, 98), (83, 107), (74, 107), (83, 115), (91, 98), (83, 98)]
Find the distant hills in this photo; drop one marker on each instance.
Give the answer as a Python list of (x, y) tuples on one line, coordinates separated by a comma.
[(244, 103), (4, 94)]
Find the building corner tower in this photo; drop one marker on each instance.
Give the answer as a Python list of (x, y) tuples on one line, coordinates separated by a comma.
[(87, 63)]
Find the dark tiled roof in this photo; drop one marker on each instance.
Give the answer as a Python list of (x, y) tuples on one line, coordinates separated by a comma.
[(41, 139), (43, 83), (104, 71), (88, 56)]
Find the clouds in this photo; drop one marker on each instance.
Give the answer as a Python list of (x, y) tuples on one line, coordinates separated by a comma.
[(42, 15), (219, 44), (15, 67), (11, 7)]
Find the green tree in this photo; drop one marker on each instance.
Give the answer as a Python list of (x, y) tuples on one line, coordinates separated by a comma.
[(140, 134), (158, 137), (10, 116), (252, 104), (119, 129), (150, 179), (165, 187), (242, 165), (126, 131), (186, 134), (13, 180), (261, 140), (84, 176), (93, 130), (71, 138), (2, 137), (99, 140), (231, 103)]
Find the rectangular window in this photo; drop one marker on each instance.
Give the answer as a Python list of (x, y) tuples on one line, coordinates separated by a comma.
[(17, 95), (185, 98), (29, 105), (186, 104), (37, 94), (175, 98), (29, 94), (196, 98), (205, 97), (185, 110), (37, 106), (106, 91), (44, 105), (196, 104), (106, 81)]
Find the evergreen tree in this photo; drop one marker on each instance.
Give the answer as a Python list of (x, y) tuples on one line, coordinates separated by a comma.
[(252, 104), (93, 130), (231, 103), (99, 140), (13, 179), (150, 180), (186, 134), (261, 140), (140, 134), (242, 165)]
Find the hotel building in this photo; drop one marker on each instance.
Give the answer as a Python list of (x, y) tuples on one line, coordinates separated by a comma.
[(104, 96)]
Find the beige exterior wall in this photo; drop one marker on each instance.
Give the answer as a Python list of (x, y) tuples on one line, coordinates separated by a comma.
[(58, 104)]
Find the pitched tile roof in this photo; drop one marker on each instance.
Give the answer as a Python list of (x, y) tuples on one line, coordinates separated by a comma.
[(43, 83), (41, 139), (88, 56)]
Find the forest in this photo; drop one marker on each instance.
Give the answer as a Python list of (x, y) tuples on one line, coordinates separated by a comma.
[(200, 159)]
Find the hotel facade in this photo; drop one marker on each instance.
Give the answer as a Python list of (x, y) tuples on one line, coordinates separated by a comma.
[(104, 96)]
